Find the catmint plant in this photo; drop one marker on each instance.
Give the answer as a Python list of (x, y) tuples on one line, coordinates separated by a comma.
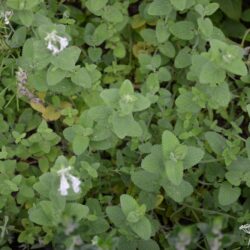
[(124, 124)]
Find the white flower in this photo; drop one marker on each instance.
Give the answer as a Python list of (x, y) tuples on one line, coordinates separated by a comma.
[(6, 16), (67, 180), (64, 185), (75, 183), (245, 228), (95, 240), (56, 43)]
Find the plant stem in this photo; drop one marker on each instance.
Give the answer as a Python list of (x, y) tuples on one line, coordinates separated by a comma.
[(210, 211)]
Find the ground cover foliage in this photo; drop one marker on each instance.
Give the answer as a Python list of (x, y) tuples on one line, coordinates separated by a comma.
[(124, 124)]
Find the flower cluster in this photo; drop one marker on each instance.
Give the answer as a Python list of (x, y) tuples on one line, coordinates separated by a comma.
[(22, 77), (67, 180), (246, 228), (56, 43), (6, 16)]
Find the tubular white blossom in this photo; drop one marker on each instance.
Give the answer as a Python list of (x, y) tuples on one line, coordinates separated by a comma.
[(67, 180), (245, 228), (64, 185), (56, 43), (6, 16), (75, 183)]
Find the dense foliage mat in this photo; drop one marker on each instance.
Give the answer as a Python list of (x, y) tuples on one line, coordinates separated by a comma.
[(124, 124)]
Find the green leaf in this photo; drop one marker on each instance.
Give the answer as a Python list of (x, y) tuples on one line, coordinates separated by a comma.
[(211, 8), (55, 75), (11, 185), (246, 178), (248, 109), (142, 228), (82, 78), (152, 83), (95, 5), (112, 14), (100, 34), (116, 216), (174, 171), (246, 15), (162, 33), (234, 177), (240, 164), (47, 185), (183, 30), (80, 144), (110, 97), (15, 4), (26, 17), (38, 81), (232, 8), (44, 214), (18, 38), (3, 153), (98, 226), (128, 204), (125, 244), (125, 126), (135, 216), (198, 61), (22, 4), (183, 58), (149, 36), (177, 193), (194, 156), (237, 67), (34, 55), (90, 169), (145, 180), (120, 50), (164, 74), (205, 26), (179, 4), (29, 4), (126, 88), (211, 73), (167, 49), (220, 95), (248, 139), (141, 103), (185, 103), (71, 132), (179, 153), (153, 162), (76, 210), (169, 143), (227, 194), (94, 54), (148, 245), (216, 141), (66, 59), (160, 8)]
